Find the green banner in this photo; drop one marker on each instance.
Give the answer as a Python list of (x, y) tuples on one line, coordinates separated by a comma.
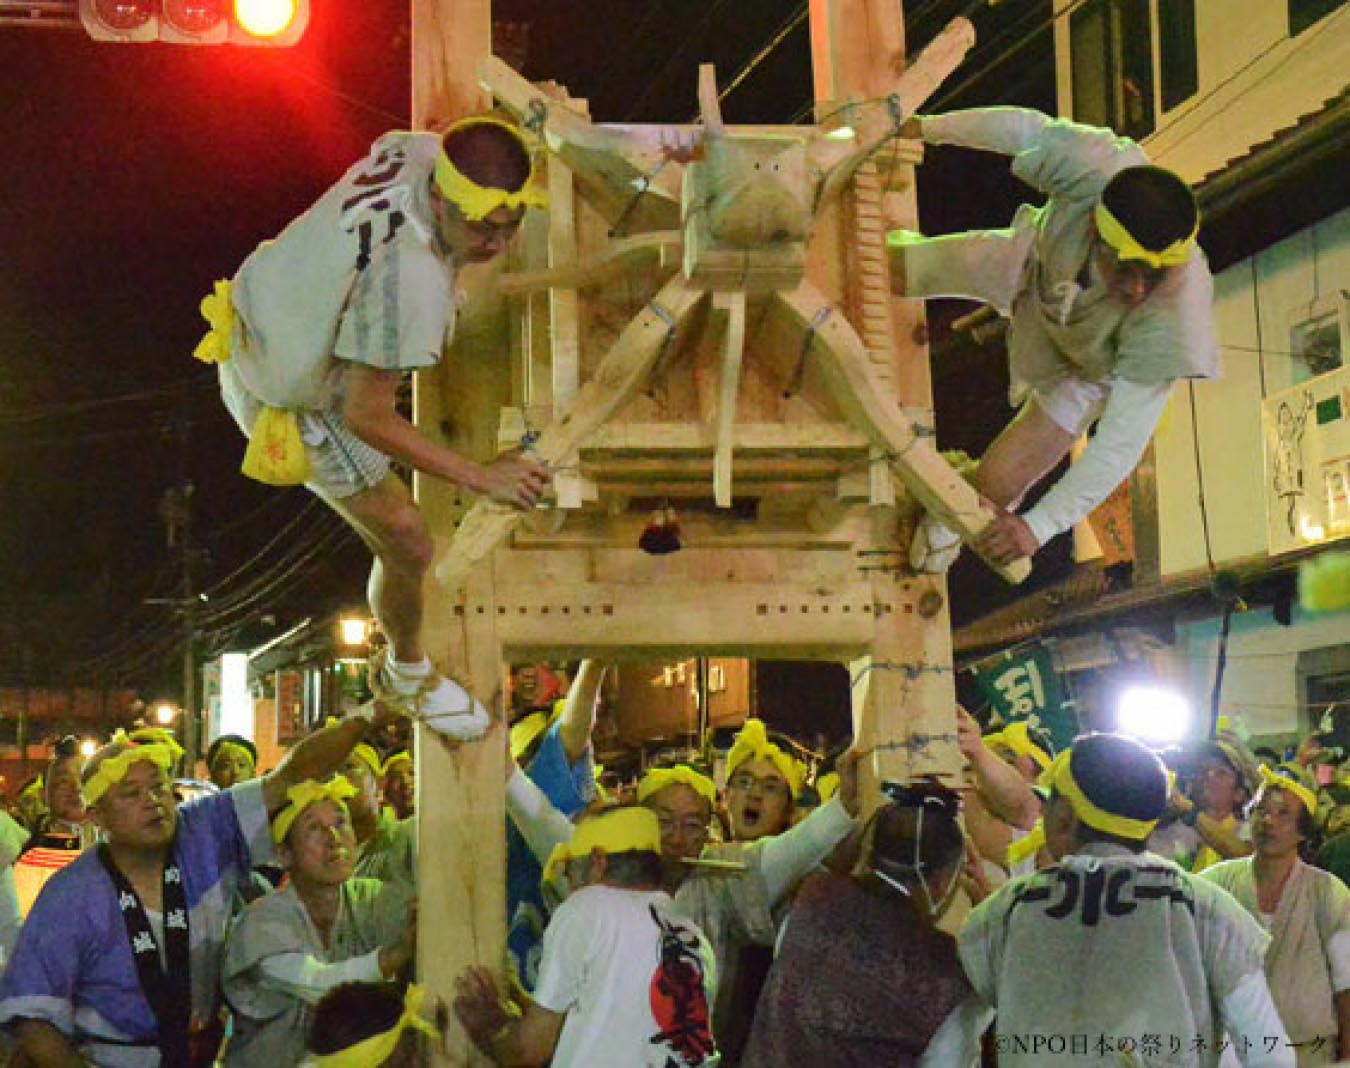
[(1023, 684)]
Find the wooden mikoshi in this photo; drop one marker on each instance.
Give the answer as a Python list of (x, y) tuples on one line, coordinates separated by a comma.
[(703, 319)]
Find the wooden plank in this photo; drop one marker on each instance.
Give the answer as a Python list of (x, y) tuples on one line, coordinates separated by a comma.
[(709, 107), (620, 374), (728, 387), (842, 360)]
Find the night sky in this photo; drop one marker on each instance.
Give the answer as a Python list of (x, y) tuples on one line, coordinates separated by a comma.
[(138, 174)]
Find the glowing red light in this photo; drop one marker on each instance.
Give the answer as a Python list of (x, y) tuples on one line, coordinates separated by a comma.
[(265, 18), (123, 14), (194, 16)]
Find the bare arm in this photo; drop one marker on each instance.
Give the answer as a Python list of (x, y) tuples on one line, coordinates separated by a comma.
[(578, 713), (522, 1041), (316, 756), (1000, 787), (46, 1047), (370, 412)]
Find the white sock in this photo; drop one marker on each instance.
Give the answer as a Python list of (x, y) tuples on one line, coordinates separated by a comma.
[(407, 677)]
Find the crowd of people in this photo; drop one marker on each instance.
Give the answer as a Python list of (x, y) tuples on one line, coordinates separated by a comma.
[(1105, 903)]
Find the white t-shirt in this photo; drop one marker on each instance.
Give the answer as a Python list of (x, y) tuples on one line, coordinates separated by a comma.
[(635, 980)]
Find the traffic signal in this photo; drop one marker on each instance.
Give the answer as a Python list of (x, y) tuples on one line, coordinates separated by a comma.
[(270, 23)]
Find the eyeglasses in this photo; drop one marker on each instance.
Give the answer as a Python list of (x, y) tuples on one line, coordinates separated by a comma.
[(689, 826), (768, 786)]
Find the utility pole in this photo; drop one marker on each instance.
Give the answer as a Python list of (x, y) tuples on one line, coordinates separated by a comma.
[(176, 510)]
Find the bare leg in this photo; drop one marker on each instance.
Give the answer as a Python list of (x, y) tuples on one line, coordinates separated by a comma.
[(394, 530), (1024, 453)]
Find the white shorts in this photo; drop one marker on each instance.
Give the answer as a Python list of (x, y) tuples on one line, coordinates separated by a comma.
[(1072, 403), (341, 464)]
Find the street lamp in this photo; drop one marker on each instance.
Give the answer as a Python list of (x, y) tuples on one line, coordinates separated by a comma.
[(164, 713), (354, 630), (88, 748), (1153, 714)]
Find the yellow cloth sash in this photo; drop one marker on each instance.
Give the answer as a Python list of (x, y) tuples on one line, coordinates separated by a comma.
[(1017, 738), (476, 202), (276, 454), (622, 830), (682, 775), (302, 795), (1127, 248), (1059, 775), (1283, 782), (375, 1050), (114, 769), (753, 744), (218, 311), (827, 785)]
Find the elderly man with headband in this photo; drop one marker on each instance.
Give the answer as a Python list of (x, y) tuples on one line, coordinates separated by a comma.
[(118, 965), (386, 846), (322, 929), (1109, 302), (1307, 912), (624, 980), (320, 326), (729, 890), (1112, 954)]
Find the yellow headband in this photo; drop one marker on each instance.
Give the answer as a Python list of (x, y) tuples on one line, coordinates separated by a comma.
[(1280, 782), (114, 768), (753, 744), (827, 785), (1127, 248), (301, 796), (365, 753), (476, 202), (526, 729), (235, 747), (681, 775), (377, 1049), (158, 736), (1027, 846), (401, 757), (621, 830), (1059, 775), (1017, 738)]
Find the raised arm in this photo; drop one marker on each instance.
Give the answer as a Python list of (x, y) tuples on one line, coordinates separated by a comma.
[(786, 858), (577, 720)]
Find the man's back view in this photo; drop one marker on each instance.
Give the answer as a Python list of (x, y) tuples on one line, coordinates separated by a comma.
[(1114, 955)]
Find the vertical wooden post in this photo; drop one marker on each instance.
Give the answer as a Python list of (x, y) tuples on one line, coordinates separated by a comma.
[(904, 692), (461, 809)]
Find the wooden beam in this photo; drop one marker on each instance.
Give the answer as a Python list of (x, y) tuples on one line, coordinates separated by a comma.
[(620, 374), (842, 360), (605, 160), (709, 107), (652, 619), (728, 387), (661, 248)]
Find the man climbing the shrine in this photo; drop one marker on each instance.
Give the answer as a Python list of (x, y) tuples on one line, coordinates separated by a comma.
[(317, 331), (1108, 298)]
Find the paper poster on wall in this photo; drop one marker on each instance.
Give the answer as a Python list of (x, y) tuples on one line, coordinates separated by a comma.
[(1307, 450)]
